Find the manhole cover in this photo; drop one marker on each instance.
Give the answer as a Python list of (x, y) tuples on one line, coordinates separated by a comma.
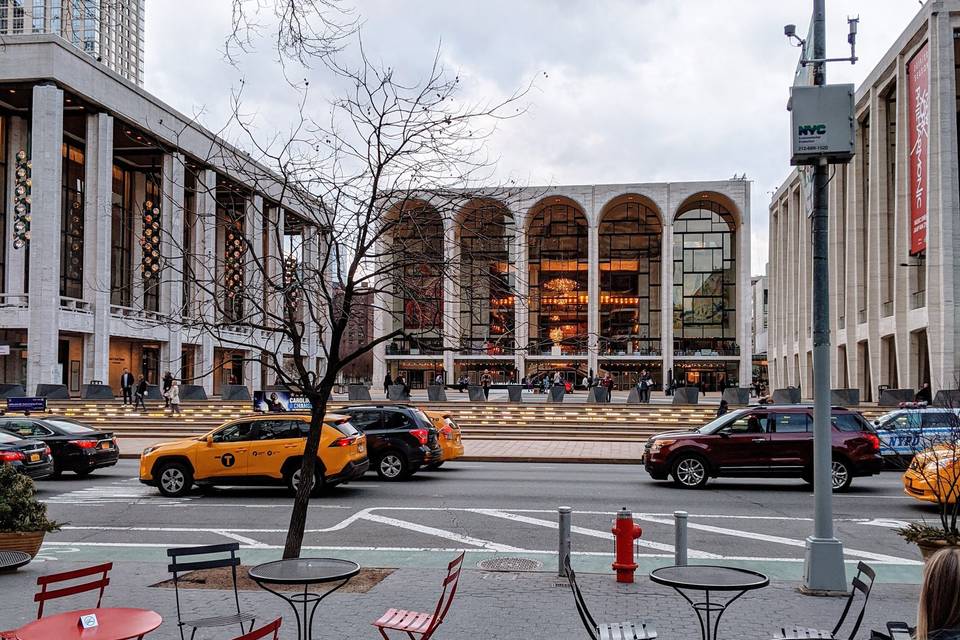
[(510, 564)]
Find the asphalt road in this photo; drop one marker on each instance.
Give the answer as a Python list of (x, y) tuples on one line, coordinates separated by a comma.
[(491, 509)]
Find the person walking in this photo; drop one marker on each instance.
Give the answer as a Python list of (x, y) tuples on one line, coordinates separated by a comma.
[(608, 385), (938, 613), (485, 381), (167, 383), (723, 408), (387, 382), (645, 384), (140, 393), (126, 386), (173, 396)]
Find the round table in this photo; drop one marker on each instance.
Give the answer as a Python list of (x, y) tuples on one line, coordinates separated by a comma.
[(113, 624), (709, 578), (13, 560), (306, 572)]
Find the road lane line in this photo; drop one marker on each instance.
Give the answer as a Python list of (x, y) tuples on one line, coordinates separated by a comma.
[(587, 532), (250, 542), (441, 533)]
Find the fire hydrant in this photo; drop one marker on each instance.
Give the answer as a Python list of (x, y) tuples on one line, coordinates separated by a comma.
[(624, 533)]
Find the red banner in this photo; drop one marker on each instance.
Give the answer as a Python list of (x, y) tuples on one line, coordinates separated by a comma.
[(918, 87)]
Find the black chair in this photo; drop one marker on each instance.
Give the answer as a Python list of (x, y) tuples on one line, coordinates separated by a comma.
[(177, 567), (859, 585), (608, 630)]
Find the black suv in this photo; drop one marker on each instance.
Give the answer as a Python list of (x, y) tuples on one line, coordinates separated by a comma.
[(400, 438)]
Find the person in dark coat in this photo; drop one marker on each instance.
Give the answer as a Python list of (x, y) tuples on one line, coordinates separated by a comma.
[(167, 383), (924, 394), (140, 394), (723, 408), (126, 386), (387, 381)]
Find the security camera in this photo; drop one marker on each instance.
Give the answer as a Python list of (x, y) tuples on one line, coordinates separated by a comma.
[(790, 30)]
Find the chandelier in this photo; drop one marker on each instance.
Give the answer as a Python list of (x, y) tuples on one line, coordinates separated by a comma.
[(556, 334), (562, 286)]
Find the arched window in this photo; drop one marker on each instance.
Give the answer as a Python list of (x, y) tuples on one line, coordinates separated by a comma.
[(704, 280), (558, 248), (417, 247), (486, 284), (630, 238)]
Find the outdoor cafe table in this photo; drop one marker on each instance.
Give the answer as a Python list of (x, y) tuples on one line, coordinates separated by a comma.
[(709, 578), (306, 572), (112, 624)]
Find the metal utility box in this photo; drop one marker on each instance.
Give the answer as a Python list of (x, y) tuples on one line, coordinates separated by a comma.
[(822, 124)]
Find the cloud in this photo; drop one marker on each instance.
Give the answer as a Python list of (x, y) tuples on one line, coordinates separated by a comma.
[(625, 91)]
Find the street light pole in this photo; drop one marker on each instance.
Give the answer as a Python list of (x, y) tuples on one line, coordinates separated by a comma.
[(824, 570)]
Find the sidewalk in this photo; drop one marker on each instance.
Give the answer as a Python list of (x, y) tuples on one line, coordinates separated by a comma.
[(506, 606)]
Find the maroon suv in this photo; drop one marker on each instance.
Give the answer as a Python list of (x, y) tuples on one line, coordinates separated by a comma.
[(767, 441)]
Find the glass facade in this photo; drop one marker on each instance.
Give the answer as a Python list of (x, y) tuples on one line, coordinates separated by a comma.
[(486, 286), (704, 280), (121, 234), (231, 217), (630, 236), (71, 222), (417, 237), (557, 246), (151, 238), (189, 233)]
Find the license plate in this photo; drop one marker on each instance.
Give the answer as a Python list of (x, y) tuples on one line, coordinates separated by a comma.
[(104, 445), (34, 457)]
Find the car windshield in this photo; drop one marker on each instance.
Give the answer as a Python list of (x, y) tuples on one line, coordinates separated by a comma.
[(716, 423), (69, 426)]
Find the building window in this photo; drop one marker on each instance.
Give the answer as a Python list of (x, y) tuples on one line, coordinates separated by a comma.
[(888, 220), (630, 248), (72, 222), (189, 234), (864, 211), (151, 279), (557, 243), (486, 285), (3, 201), (121, 256), (704, 280), (231, 220)]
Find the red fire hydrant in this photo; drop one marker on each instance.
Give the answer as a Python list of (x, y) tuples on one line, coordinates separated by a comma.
[(624, 533)]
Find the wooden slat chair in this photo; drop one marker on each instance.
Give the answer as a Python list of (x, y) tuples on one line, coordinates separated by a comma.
[(272, 629), (423, 624), (176, 567), (608, 630), (862, 586)]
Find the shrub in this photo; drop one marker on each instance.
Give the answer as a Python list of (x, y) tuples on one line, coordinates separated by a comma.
[(20, 511)]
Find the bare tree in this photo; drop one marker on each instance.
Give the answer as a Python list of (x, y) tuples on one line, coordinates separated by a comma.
[(336, 216)]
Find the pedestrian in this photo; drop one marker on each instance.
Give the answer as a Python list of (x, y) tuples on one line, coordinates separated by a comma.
[(140, 393), (173, 396), (438, 380), (126, 386), (485, 381), (938, 613), (167, 383), (592, 378), (586, 383), (608, 385), (557, 379), (723, 408), (924, 394), (387, 382), (645, 383)]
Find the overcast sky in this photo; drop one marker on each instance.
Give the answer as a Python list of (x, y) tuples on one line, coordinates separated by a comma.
[(625, 91)]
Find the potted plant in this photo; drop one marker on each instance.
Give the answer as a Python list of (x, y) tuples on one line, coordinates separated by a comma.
[(23, 518), (926, 442)]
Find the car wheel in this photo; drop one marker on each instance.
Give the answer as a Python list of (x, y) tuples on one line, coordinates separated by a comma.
[(393, 466), (690, 472), (174, 479), (293, 480), (840, 475)]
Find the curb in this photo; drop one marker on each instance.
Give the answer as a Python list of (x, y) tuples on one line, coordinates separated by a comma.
[(528, 459)]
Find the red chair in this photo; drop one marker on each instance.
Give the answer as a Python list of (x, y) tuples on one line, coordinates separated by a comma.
[(263, 632), (423, 624), (99, 584)]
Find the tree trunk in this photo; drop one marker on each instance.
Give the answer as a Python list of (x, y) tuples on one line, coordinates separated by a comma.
[(301, 501)]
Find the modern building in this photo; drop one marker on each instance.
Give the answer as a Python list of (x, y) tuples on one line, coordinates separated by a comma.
[(358, 334), (95, 175), (760, 297), (609, 278), (894, 229), (109, 31)]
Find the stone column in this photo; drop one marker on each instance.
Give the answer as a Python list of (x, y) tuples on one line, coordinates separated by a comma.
[(666, 299), (208, 271), (172, 250), (97, 246), (17, 139), (521, 291), (381, 319), (46, 155), (311, 331), (744, 291), (593, 293), (453, 328)]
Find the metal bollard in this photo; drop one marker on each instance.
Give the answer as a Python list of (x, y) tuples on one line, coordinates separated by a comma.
[(680, 538), (564, 546)]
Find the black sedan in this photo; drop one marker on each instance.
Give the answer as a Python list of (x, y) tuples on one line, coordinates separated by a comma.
[(29, 457), (76, 447)]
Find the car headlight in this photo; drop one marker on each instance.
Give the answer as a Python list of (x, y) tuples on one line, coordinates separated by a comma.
[(148, 451), (659, 444)]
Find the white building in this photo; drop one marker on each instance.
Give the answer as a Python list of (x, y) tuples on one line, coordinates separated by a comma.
[(894, 229), (109, 31), (77, 302), (609, 278)]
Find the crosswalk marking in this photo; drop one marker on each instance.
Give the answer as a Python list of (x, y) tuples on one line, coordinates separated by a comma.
[(129, 491)]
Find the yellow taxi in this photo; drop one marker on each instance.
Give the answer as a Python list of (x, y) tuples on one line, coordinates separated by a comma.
[(448, 434), (934, 475), (256, 450)]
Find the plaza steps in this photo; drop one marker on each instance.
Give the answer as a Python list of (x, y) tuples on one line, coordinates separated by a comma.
[(490, 421)]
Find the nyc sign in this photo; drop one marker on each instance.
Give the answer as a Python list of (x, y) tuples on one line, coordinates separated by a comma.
[(822, 124)]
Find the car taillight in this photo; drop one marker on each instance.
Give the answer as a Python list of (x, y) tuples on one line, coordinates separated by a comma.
[(874, 440), (47, 451), (420, 434), (11, 456), (447, 432), (84, 444), (343, 442)]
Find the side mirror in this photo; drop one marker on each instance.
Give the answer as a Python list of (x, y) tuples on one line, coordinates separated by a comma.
[(876, 423), (209, 440), (724, 433)]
